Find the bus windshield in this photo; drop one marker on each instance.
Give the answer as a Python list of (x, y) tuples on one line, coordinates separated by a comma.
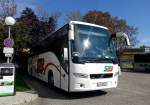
[(92, 44)]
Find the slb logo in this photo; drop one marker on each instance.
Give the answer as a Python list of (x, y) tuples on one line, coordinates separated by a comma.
[(108, 69)]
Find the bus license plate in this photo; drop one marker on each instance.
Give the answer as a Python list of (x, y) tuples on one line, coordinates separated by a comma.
[(99, 84)]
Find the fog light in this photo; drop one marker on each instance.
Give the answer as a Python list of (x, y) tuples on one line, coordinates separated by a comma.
[(82, 85), (80, 75)]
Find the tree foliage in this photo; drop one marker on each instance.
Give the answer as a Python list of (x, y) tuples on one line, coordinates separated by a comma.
[(3, 33), (100, 18), (38, 28), (20, 34), (74, 16), (7, 8), (29, 29), (143, 46)]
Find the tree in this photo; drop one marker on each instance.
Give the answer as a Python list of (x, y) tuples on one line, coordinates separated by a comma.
[(143, 46), (73, 15), (28, 17), (7, 8), (42, 14), (20, 33), (38, 27), (113, 24), (100, 18), (29, 20), (55, 15), (3, 33)]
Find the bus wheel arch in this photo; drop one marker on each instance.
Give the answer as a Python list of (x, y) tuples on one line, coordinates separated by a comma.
[(50, 78)]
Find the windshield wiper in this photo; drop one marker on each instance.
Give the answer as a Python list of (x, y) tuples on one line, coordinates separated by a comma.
[(76, 59), (115, 61)]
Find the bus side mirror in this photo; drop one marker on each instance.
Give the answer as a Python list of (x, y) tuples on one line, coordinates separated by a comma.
[(65, 54), (121, 34)]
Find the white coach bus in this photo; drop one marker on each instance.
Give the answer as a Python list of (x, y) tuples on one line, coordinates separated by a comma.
[(78, 57)]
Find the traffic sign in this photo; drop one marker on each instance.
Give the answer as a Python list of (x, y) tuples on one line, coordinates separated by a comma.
[(8, 42), (8, 50), (8, 55)]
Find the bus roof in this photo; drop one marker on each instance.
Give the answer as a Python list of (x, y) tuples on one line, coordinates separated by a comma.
[(77, 22), (85, 23)]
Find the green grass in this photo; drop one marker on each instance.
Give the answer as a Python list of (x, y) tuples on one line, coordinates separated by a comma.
[(21, 86)]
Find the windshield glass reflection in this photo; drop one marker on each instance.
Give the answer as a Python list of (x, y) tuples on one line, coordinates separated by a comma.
[(92, 44)]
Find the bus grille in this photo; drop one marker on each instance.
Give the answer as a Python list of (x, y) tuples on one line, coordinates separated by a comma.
[(96, 76)]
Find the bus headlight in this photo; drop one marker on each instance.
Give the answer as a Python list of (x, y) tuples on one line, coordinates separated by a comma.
[(80, 75)]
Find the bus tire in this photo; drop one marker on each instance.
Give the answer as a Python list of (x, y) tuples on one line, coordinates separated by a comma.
[(50, 79)]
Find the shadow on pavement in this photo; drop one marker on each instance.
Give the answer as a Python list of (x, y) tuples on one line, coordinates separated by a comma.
[(54, 93)]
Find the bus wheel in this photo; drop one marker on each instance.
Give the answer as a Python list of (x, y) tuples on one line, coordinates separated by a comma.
[(50, 79)]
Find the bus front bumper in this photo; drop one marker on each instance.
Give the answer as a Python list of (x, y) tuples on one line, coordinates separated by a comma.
[(93, 85)]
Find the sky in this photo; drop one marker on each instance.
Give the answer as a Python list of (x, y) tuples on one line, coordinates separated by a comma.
[(135, 12)]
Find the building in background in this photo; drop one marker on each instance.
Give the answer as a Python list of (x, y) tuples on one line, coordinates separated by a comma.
[(135, 59)]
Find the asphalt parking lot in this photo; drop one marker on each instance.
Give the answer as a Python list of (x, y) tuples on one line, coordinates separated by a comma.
[(133, 89)]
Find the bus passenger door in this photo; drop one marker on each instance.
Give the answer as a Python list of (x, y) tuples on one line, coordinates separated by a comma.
[(64, 69)]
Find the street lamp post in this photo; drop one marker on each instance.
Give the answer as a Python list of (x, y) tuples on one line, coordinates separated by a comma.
[(9, 32), (9, 21)]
